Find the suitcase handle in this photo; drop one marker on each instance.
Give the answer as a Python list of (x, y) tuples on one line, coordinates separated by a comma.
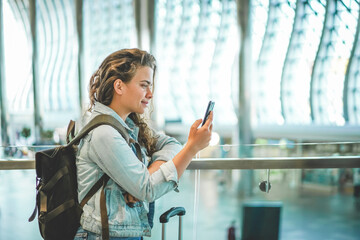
[(180, 211)]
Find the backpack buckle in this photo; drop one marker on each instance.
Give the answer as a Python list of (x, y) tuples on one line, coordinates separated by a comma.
[(41, 217)]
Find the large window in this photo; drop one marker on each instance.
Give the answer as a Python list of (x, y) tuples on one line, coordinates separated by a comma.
[(57, 51), (270, 62), (327, 99), (108, 26), (305, 59), (54, 63), (306, 71), (196, 47), (297, 69), (352, 84), (18, 97)]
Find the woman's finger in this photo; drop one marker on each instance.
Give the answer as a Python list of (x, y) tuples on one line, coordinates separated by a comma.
[(209, 120), (196, 124)]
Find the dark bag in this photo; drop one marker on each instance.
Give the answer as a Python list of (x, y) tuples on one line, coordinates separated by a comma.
[(57, 203)]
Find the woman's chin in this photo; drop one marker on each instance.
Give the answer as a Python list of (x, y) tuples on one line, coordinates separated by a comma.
[(140, 111)]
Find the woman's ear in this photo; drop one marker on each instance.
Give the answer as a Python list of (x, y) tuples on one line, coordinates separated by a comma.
[(118, 86)]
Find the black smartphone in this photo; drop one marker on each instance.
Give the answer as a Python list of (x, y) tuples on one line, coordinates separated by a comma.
[(209, 108)]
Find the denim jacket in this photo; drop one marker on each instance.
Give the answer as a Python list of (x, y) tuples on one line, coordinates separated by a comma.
[(104, 150)]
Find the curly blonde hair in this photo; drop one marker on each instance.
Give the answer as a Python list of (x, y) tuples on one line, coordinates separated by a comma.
[(123, 65)]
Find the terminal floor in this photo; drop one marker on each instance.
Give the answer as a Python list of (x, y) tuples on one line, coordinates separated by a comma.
[(210, 206)]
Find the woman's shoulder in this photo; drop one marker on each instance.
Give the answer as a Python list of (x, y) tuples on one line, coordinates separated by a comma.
[(105, 132)]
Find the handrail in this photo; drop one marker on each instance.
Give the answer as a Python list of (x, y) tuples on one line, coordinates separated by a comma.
[(236, 163), (276, 163), (17, 164)]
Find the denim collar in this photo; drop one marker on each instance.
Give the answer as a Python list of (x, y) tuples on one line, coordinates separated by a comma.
[(128, 124)]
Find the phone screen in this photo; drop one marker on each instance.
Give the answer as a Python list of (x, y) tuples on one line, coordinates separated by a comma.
[(209, 108)]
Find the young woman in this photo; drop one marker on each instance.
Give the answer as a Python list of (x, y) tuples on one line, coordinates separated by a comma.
[(122, 88)]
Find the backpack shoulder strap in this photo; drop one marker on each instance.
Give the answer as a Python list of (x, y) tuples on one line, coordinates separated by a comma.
[(70, 132), (104, 179), (95, 122), (102, 119)]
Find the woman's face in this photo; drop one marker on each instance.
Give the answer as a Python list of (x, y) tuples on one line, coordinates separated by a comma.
[(138, 92)]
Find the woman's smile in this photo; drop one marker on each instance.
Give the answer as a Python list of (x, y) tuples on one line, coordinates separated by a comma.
[(145, 103)]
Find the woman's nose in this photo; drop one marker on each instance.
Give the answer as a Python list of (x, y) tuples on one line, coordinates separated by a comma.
[(149, 93)]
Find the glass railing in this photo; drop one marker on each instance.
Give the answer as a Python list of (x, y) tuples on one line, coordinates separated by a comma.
[(310, 195)]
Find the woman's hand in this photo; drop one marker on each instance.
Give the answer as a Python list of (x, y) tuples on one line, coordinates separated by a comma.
[(199, 138)]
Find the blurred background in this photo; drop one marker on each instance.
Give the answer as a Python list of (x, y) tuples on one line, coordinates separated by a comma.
[(284, 75)]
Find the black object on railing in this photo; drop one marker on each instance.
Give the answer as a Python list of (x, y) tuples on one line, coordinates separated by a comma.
[(180, 211), (264, 186)]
